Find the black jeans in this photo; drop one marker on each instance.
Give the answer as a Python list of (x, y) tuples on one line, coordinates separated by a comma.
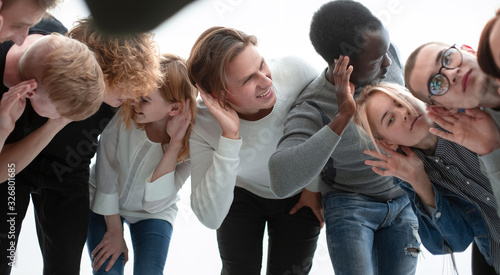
[(479, 264), (292, 238), (61, 216)]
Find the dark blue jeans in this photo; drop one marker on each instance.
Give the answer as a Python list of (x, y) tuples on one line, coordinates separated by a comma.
[(150, 241), (292, 238)]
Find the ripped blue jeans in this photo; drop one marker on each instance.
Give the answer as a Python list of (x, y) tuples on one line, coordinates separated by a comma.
[(368, 237)]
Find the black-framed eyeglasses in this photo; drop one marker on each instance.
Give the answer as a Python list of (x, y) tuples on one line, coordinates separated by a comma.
[(439, 83)]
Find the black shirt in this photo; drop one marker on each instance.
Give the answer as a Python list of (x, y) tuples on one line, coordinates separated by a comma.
[(71, 150), (46, 26)]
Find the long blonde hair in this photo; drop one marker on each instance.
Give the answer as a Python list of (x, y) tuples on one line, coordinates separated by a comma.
[(394, 91), (175, 87)]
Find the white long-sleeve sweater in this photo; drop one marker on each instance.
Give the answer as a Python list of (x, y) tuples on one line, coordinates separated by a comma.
[(120, 181), (219, 164)]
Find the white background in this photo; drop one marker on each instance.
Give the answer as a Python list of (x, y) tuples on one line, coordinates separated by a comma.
[(282, 29)]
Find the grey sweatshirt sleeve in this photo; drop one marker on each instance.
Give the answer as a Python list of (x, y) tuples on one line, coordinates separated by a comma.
[(491, 168), (302, 152)]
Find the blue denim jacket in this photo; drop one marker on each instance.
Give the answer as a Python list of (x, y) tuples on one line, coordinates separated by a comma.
[(454, 224)]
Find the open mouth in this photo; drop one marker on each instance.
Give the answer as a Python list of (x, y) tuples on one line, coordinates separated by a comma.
[(466, 80), (414, 121), (265, 94)]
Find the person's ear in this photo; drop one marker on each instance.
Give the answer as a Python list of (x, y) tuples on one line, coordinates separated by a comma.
[(442, 111), (468, 49), (31, 94), (388, 144), (176, 109)]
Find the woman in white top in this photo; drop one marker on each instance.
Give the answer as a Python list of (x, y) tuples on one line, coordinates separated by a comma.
[(238, 125), (138, 172)]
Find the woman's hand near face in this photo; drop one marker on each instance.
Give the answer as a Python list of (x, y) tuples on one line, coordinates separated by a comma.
[(176, 129), (475, 130), (395, 163), (177, 125), (408, 168), (227, 117)]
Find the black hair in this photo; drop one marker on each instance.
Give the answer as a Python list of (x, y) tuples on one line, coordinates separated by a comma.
[(338, 28)]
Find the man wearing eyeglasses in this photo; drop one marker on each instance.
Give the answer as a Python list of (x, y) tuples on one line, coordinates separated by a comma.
[(448, 79)]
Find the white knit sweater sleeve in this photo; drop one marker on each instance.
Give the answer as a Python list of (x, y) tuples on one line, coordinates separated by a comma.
[(106, 198), (213, 178), (162, 193)]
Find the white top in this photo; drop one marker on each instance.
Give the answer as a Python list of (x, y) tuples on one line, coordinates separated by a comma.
[(219, 164), (120, 181)]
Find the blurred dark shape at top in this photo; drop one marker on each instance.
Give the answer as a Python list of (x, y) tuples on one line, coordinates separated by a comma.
[(132, 16)]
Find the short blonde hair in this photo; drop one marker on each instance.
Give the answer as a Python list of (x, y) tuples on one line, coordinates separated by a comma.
[(175, 87), (69, 73), (394, 91), (130, 62)]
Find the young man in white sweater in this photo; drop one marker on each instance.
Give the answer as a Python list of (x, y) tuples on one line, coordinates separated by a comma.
[(238, 125)]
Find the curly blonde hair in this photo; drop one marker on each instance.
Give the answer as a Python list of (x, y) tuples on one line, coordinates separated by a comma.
[(130, 62), (69, 73)]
